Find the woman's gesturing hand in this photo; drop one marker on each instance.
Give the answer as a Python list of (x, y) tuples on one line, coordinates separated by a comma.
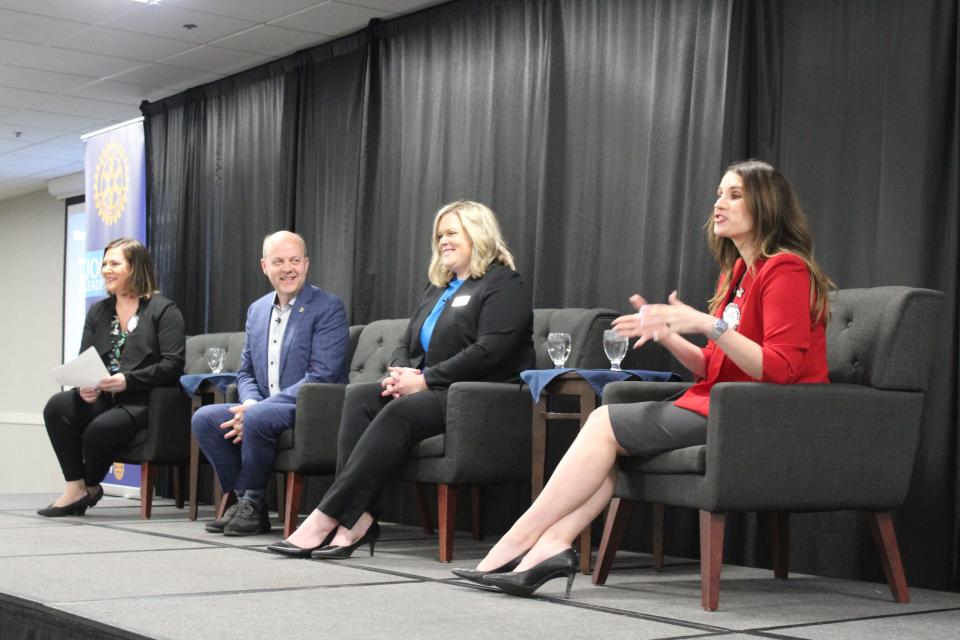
[(656, 321)]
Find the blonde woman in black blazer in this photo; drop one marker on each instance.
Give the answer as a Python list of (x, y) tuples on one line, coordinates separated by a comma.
[(474, 321), (139, 335)]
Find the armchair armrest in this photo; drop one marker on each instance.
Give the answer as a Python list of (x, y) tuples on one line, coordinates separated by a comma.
[(636, 391), (232, 394), (809, 447), (168, 426), (488, 432), (314, 450)]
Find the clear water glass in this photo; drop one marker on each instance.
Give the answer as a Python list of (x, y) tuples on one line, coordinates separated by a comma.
[(215, 359), (558, 348), (615, 346)]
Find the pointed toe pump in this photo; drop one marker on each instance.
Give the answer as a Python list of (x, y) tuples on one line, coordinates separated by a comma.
[(337, 552), (479, 577), (525, 583)]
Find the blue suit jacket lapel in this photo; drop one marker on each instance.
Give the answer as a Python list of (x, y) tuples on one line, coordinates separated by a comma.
[(297, 314)]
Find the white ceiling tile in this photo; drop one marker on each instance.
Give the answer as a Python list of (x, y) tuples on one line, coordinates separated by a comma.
[(125, 44), (209, 58), (87, 11), (47, 150), (270, 40), (54, 121), (114, 91), (12, 51), (78, 62), (254, 10), (39, 80), (62, 170), (27, 134), (331, 18), (28, 27), (71, 141), (167, 77), (100, 109), (28, 165), (12, 145), (10, 97), (167, 22)]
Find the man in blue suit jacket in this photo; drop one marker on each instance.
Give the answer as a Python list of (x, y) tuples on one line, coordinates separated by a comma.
[(296, 334)]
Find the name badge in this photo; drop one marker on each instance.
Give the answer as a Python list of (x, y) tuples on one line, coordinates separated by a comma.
[(460, 301)]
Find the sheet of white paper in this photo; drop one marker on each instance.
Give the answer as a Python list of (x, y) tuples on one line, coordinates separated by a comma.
[(86, 370)]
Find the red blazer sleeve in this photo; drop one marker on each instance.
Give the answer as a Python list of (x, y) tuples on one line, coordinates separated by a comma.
[(786, 320)]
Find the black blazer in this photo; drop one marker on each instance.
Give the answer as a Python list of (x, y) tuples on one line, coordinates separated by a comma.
[(485, 332), (153, 354)]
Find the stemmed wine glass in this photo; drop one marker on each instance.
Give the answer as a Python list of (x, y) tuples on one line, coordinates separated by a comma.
[(615, 346), (558, 348), (215, 359)]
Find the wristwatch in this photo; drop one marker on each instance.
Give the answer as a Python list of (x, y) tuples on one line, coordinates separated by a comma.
[(719, 328)]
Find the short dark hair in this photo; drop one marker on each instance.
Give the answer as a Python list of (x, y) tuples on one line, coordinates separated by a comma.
[(143, 279)]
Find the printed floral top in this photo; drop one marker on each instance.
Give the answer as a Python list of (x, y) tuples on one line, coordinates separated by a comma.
[(117, 339)]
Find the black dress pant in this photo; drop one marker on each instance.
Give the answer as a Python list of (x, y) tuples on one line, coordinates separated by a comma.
[(86, 436), (376, 435)]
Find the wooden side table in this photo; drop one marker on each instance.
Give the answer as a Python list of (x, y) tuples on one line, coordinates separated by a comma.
[(568, 384)]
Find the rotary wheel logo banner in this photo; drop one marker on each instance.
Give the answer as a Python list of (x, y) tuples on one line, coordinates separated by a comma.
[(111, 183)]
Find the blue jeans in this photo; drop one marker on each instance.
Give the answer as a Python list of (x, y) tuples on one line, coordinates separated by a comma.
[(246, 465)]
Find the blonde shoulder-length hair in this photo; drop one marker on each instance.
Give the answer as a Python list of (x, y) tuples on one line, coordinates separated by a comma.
[(482, 229)]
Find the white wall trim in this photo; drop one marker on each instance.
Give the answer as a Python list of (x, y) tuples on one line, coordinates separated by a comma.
[(21, 418)]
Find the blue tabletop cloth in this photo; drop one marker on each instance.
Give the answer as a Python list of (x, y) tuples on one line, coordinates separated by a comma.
[(538, 379), (192, 382)]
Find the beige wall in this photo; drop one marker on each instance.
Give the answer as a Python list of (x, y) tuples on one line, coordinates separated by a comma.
[(31, 291)]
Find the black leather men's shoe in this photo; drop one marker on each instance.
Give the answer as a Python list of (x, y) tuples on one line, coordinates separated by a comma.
[(217, 525), (249, 520)]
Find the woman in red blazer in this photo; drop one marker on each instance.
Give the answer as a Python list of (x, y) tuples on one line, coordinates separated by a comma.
[(766, 322)]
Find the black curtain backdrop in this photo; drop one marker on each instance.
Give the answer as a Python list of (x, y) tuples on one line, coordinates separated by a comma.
[(598, 131)]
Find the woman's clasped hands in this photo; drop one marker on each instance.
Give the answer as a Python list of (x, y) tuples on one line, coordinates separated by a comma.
[(657, 321), (402, 381)]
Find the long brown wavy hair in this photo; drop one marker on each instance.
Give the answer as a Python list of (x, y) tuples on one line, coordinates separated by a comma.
[(779, 226)]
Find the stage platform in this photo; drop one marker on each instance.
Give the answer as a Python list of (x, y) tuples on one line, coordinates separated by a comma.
[(112, 575)]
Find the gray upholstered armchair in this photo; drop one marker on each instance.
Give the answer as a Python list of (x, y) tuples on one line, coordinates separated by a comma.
[(166, 440), (488, 431), (310, 448), (848, 445)]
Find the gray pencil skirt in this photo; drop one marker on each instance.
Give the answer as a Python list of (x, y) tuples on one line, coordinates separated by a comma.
[(646, 429)]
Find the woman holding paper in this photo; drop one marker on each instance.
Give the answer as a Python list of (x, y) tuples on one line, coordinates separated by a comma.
[(139, 335)]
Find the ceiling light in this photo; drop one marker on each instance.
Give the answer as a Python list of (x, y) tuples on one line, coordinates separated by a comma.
[(148, 1)]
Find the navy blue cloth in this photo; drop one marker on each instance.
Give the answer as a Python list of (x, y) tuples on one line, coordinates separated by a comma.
[(426, 331), (191, 382), (538, 379)]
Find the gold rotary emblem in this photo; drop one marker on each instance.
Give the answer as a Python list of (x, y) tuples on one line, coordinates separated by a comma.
[(118, 470), (111, 182)]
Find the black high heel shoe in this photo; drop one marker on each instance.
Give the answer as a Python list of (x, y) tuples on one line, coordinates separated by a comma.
[(75, 508), (479, 577), (291, 550), (336, 552), (95, 497), (524, 583)]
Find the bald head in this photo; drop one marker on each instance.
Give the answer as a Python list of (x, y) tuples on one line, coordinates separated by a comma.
[(274, 238)]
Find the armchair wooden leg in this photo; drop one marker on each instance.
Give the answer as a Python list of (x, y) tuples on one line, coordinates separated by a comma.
[(711, 558), (291, 513), (446, 519), (194, 477), (177, 488), (885, 539), (224, 502), (658, 537), (780, 543), (476, 509), (618, 513), (423, 508), (148, 472)]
